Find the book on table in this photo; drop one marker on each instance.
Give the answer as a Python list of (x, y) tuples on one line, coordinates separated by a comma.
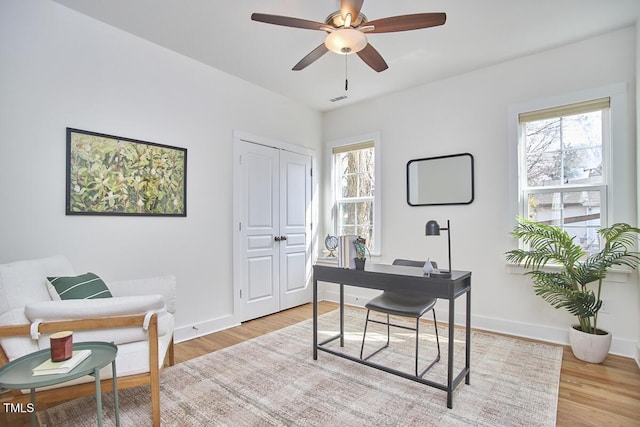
[(49, 367)]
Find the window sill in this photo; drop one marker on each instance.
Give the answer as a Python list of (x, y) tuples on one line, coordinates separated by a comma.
[(616, 275)]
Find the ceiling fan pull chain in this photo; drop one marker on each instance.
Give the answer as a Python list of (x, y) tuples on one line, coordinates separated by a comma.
[(346, 75)]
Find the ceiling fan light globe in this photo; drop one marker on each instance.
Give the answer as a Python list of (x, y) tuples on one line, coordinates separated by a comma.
[(345, 41)]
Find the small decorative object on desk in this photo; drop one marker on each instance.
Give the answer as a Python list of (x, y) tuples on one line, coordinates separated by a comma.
[(61, 346), (331, 243), (428, 267), (49, 367), (361, 248)]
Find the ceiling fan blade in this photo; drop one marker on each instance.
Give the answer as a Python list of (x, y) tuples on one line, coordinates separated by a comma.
[(407, 22), (313, 56), (350, 6), (287, 21), (372, 58)]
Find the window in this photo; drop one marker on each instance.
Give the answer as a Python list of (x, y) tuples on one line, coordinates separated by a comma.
[(563, 165), (355, 201)]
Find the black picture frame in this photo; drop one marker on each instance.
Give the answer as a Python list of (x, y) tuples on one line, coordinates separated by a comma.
[(114, 175)]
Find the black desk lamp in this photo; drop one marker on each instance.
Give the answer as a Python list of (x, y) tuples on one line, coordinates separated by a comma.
[(433, 229)]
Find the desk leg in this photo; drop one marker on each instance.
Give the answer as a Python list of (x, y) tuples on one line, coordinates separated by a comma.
[(467, 364), (116, 405), (341, 315), (96, 374), (33, 403), (315, 319), (450, 352)]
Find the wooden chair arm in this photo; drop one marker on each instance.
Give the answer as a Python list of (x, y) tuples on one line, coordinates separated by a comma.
[(77, 325), (80, 325)]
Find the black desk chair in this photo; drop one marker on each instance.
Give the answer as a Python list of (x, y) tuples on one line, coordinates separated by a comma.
[(405, 304)]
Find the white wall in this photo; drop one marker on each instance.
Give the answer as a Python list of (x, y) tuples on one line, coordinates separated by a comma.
[(468, 113), (60, 68)]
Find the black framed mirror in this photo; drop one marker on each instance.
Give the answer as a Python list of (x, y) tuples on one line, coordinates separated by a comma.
[(442, 180)]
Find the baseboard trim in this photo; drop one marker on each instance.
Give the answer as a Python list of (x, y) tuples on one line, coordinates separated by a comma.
[(554, 335), (189, 332)]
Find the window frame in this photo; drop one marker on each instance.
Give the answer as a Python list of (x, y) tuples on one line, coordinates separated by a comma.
[(332, 200), (518, 199), (527, 190)]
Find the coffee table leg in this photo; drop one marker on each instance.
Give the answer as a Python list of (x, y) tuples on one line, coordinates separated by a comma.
[(96, 375), (115, 392), (33, 411)]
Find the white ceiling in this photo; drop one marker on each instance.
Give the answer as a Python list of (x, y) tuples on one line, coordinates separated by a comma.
[(477, 33)]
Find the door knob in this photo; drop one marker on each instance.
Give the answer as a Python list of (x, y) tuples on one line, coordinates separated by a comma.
[(277, 238), (283, 237)]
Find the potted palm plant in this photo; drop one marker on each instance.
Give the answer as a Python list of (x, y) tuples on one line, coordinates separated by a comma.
[(577, 284)]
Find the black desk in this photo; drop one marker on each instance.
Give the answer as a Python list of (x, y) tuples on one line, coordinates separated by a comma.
[(383, 277)]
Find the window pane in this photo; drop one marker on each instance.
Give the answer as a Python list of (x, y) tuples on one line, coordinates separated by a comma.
[(582, 130), (356, 173), (349, 185), (543, 169), (346, 214), (365, 185), (356, 218), (564, 151), (577, 212), (583, 166)]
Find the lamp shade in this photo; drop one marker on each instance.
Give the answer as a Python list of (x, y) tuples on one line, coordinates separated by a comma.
[(432, 228), (346, 41)]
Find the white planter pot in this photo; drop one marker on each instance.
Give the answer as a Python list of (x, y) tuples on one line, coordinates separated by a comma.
[(591, 348)]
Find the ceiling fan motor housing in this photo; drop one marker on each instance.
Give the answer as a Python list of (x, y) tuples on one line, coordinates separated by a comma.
[(336, 20)]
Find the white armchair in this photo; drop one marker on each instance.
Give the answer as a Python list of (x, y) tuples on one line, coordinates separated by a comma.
[(138, 319)]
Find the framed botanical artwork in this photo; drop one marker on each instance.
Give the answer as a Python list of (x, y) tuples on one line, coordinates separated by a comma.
[(112, 175)]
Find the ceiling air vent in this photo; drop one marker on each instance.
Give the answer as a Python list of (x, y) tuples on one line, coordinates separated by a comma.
[(339, 98)]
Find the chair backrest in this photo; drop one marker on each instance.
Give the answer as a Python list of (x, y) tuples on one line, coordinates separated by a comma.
[(412, 263), (21, 283)]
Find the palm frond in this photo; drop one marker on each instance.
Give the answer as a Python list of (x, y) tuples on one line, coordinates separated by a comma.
[(577, 302), (621, 233), (546, 244), (557, 279)]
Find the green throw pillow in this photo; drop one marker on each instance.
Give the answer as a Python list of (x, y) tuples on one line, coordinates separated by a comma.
[(85, 286)]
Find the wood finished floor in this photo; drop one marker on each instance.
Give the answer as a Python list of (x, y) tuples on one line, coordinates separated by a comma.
[(589, 395)]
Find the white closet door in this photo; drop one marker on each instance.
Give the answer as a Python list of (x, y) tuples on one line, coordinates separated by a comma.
[(295, 229), (260, 225)]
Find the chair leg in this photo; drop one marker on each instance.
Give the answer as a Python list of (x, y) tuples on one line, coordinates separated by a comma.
[(364, 336), (417, 342), (437, 359), (435, 325), (388, 331)]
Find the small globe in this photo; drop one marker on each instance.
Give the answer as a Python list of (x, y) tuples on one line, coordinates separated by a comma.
[(331, 243)]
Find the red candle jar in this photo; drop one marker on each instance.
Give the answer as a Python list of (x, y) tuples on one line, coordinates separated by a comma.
[(61, 346)]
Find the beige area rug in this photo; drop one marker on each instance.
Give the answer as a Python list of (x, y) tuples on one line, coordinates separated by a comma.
[(274, 381)]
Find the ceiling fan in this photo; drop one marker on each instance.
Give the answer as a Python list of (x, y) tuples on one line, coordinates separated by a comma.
[(347, 29)]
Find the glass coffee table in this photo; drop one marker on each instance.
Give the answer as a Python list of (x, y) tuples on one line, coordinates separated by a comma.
[(18, 375)]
